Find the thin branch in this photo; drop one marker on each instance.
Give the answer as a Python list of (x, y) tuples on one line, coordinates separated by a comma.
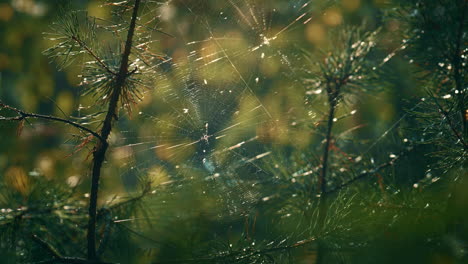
[(92, 54), (449, 121), (137, 198), (371, 172), (101, 148), (24, 115), (333, 94), (57, 258), (46, 246), (106, 233), (458, 66)]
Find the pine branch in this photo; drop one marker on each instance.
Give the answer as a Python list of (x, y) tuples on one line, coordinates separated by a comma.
[(333, 96), (449, 121), (24, 115), (371, 172), (92, 54), (241, 255), (46, 246), (106, 233), (101, 148), (57, 258), (458, 67)]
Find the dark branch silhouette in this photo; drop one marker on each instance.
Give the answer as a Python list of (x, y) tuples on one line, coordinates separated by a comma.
[(24, 115)]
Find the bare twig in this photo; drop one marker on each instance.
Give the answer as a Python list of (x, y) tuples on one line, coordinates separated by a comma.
[(24, 115)]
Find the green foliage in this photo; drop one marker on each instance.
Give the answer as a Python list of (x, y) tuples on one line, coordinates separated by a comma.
[(267, 132)]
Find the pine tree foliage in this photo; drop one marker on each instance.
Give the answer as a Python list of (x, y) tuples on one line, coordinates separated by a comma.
[(338, 199), (436, 31)]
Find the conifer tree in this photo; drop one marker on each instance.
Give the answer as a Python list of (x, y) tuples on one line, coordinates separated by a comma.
[(339, 199)]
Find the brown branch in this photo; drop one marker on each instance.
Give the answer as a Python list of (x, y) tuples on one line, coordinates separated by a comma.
[(333, 94), (101, 147), (24, 115), (107, 232)]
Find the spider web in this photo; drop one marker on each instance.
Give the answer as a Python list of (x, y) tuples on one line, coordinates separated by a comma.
[(206, 123), (205, 120)]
